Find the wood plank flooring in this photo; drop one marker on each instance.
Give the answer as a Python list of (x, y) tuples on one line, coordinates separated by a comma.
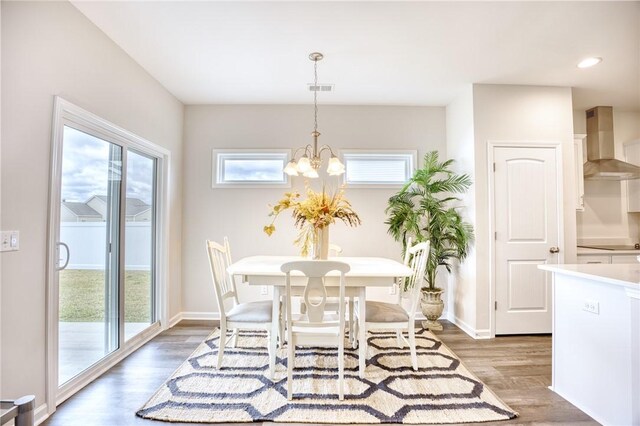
[(516, 368)]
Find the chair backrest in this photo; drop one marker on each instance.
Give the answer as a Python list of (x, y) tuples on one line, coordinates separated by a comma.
[(416, 258), (335, 250), (315, 292), (223, 282)]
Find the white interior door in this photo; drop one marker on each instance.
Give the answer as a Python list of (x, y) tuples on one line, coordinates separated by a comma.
[(527, 211)]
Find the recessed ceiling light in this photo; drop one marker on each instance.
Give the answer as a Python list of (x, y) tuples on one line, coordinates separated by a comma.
[(589, 62)]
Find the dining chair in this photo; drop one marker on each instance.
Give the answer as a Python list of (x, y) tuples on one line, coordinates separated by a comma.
[(393, 316), (332, 302), (334, 250), (317, 327), (240, 316)]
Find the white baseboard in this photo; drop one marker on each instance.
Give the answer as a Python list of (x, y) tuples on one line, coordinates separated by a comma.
[(483, 333), (175, 319), (475, 333), (202, 316), (41, 414)]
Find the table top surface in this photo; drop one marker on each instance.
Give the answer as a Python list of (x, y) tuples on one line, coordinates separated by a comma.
[(360, 266)]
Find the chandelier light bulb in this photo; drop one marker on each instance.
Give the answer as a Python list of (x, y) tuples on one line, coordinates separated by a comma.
[(311, 173), (291, 169), (304, 165), (335, 167)]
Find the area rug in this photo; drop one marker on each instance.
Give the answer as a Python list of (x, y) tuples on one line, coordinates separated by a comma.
[(441, 391)]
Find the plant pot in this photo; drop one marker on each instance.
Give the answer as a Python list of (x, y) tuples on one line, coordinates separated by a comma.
[(320, 244), (432, 306)]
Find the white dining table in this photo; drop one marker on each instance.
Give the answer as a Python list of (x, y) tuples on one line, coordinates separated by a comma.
[(365, 272)]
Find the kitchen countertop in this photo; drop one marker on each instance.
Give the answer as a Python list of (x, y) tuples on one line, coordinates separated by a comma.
[(625, 275), (582, 250)]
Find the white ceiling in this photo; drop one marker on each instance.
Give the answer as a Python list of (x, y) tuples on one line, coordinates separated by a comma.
[(378, 53)]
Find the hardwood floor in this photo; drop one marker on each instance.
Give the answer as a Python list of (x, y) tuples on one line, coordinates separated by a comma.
[(516, 368)]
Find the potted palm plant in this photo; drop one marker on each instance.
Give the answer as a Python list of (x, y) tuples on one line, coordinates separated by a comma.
[(424, 210)]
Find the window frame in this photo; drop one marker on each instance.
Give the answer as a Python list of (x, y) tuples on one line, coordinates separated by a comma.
[(406, 154), (217, 168)]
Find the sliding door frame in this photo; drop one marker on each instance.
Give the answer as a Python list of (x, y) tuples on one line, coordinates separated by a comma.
[(66, 113)]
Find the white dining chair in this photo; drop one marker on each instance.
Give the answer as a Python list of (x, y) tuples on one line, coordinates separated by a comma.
[(334, 250), (332, 303), (393, 316), (317, 327), (239, 316)]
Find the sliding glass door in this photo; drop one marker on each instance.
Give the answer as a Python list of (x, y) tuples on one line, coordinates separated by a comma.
[(89, 241), (140, 243), (106, 274)]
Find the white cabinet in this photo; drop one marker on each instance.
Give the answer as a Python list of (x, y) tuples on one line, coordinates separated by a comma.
[(584, 259), (625, 258), (632, 155), (593, 258), (578, 155)]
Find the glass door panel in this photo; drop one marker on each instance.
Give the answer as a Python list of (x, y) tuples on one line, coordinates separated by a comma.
[(140, 214), (89, 232)]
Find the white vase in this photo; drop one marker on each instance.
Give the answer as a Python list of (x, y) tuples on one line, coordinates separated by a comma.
[(320, 244)]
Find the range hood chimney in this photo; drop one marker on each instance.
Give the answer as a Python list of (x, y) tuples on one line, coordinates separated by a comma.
[(602, 164)]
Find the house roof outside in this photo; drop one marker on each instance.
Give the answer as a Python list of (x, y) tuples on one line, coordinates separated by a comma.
[(134, 207), (81, 209)]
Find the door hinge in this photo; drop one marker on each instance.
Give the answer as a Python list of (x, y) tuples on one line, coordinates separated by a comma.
[(494, 167), (495, 235), (495, 305)]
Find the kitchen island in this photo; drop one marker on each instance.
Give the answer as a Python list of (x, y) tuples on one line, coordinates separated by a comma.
[(596, 339)]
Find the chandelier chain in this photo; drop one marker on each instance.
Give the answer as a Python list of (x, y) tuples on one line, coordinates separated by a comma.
[(315, 96)]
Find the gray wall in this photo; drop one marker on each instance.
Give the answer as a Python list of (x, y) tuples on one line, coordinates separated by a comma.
[(50, 48), (240, 214)]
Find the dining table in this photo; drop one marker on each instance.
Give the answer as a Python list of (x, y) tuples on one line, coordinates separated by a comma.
[(365, 272)]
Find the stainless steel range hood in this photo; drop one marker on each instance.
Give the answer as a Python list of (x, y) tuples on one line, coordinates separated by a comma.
[(602, 164)]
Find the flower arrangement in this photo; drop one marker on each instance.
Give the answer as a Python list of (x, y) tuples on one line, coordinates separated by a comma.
[(313, 214)]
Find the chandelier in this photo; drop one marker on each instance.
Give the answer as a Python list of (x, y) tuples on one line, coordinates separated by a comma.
[(311, 160)]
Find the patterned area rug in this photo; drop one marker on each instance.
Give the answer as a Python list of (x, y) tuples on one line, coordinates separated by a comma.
[(441, 391)]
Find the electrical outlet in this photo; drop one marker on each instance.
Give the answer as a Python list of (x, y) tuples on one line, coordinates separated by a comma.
[(9, 240), (591, 306), (393, 289), (264, 290)]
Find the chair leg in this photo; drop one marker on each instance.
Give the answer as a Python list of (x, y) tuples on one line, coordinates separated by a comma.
[(412, 346), (221, 344), (273, 334), (290, 365), (352, 336), (399, 338), (234, 339), (341, 369), (282, 328)]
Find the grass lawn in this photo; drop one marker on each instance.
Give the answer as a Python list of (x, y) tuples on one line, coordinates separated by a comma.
[(82, 296)]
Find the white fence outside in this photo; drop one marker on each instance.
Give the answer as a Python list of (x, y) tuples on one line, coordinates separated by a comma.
[(86, 241)]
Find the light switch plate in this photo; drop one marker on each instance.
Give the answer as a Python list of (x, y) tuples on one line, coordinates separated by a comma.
[(9, 241)]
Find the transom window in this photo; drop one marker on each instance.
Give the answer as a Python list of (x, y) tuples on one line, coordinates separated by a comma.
[(378, 168), (250, 168)]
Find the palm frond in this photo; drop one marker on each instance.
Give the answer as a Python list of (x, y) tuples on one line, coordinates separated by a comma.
[(421, 210)]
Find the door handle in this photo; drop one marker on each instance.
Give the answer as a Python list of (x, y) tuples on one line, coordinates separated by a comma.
[(66, 262), (554, 250)]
